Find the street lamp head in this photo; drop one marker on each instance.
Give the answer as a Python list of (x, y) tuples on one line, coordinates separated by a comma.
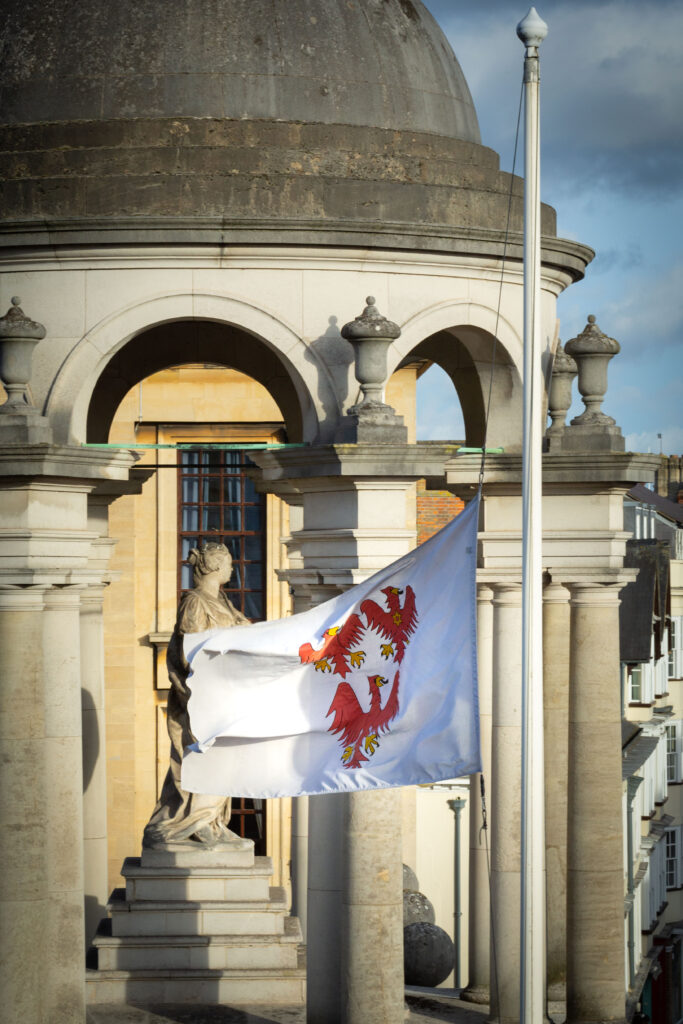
[(532, 29)]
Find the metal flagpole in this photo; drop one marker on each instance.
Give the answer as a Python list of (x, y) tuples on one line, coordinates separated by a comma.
[(532, 30)]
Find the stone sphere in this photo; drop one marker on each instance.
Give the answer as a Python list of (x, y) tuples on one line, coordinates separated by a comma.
[(428, 954), (410, 879), (416, 908)]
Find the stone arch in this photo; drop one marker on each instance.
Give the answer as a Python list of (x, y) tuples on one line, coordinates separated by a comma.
[(164, 330), (476, 350)]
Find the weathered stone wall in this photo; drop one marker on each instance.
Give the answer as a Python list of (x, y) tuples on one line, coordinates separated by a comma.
[(195, 168)]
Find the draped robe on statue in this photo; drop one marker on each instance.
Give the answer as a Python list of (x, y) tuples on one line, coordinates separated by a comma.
[(180, 816)]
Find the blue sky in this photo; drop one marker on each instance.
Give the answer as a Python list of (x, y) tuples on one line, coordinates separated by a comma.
[(612, 166)]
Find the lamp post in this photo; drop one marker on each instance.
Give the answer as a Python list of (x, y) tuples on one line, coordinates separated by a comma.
[(457, 806)]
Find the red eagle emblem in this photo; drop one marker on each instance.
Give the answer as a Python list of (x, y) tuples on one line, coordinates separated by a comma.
[(334, 655), (395, 624), (359, 730)]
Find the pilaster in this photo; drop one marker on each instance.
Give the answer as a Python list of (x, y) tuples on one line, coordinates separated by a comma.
[(556, 632), (506, 755), (64, 976), (477, 990), (94, 759)]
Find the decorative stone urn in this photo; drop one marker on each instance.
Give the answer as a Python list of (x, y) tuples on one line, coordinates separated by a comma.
[(20, 421), (592, 351), (371, 420), (593, 430), (18, 338), (560, 397), (371, 334)]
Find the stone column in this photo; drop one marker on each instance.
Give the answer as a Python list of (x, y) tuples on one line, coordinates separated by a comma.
[(556, 699), (373, 909), (63, 979), (595, 871), (96, 887), (477, 990), (506, 765), (325, 918), (299, 868), (23, 826)]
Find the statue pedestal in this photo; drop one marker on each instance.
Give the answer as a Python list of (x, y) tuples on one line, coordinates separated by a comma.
[(198, 926)]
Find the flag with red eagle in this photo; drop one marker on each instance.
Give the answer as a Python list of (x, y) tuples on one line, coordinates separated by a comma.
[(375, 688)]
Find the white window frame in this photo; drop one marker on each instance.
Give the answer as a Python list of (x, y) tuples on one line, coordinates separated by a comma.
[(640, 680), (674, 857), (675, 654), (674, 751), (634, 676)]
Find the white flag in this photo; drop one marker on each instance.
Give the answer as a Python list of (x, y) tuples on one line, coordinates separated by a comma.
[(375, 688)]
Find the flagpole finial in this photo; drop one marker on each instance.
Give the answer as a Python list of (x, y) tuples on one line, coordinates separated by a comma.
[(532, 29)]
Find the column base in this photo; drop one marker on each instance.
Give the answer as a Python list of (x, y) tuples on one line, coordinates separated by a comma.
[(557, 991), (476, 994)]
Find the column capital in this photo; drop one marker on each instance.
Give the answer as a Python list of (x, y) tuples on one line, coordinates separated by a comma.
[(21, 598), (507, 592), (92, 596), (484, 591), (64, 597), (555, 593), (596, 594)]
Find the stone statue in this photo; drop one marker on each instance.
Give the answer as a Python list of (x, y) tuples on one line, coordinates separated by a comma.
[(179, 816)]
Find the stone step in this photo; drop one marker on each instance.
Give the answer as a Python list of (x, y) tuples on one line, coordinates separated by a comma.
[(237, 987), (199, 952), (199, 917), (160, 883)]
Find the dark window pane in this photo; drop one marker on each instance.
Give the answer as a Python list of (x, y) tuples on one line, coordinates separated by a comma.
[(253, 576), (212, 460), (235, 598), (233, 546), (232, 519), (252, 516), (231, 488), (190, 519), (253, 605), (190, 490), (187, 545), (253, 548), (225, 508), (250, 492), (211, 490), (211, 518)]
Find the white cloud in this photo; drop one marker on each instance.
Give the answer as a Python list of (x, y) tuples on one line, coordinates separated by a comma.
[(652, 310), (648, 441)]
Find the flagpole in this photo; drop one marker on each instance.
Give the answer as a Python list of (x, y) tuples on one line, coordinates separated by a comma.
[(532, 30)]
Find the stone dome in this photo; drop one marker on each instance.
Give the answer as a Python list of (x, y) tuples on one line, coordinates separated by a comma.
[(232, 122), (374, 63)]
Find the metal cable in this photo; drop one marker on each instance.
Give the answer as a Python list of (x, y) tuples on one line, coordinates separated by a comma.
[(485, 829), (500, 288)]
